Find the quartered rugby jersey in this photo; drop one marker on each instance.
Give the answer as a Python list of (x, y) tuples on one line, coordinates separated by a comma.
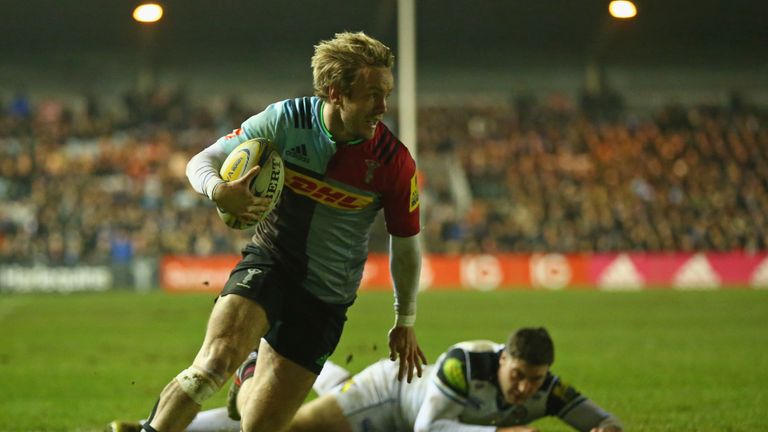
[(331, 196), (467, 375)]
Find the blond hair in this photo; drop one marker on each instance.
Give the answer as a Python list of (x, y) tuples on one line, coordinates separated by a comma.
[(337, 61)]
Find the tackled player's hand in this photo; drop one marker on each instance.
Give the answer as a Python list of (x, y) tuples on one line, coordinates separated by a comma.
[(403, 345)]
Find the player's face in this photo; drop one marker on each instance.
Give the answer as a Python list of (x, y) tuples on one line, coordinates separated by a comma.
[(363, 108), (518, 379)]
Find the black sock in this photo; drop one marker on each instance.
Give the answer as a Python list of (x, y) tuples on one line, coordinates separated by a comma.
[(148, 428), (146, 425)]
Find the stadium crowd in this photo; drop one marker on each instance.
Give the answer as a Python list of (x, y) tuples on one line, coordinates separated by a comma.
[(552, 177), (549, 178), (90, 181)]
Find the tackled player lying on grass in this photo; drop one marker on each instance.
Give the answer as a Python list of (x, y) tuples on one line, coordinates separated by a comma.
[(475, 386)]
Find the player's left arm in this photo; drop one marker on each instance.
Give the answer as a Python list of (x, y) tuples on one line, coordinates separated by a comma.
[(401, 213), (405, 266), (577, 410)]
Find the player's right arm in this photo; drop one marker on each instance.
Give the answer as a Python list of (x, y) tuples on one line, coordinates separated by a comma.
[(578, 411), (446, 397), (235, 197)]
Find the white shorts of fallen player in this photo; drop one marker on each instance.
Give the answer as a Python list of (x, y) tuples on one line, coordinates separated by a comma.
[(371, 400)]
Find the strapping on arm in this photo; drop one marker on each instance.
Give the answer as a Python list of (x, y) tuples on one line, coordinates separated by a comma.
[(203, 169), (405, 266)]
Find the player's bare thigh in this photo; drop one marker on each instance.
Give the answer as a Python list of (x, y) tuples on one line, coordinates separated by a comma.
[(235, 326), (269, 400), (319, 415)]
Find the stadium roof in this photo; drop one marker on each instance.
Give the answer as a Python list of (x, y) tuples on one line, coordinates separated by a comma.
[(479, 31)]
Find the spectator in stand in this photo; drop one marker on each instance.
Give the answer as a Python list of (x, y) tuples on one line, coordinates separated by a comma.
[(546, 179)]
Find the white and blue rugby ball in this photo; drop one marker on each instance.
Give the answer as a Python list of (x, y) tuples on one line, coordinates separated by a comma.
[(268, 183)]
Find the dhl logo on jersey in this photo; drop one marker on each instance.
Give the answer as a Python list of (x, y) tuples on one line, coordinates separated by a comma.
[(324, 193)]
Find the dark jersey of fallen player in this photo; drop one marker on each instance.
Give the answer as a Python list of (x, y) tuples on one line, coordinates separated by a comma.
[(467, 374), (331, 196)]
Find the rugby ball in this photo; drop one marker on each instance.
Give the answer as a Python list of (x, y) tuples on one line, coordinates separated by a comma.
[(268, 183)]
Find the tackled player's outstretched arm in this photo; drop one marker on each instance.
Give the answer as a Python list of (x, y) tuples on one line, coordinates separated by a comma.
[(578, 411), (590, 417)]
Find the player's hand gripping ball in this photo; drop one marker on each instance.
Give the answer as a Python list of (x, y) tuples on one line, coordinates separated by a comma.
[(267, 184)]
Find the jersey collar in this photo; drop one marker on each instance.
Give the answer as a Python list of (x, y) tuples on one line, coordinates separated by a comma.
[(327, 132)]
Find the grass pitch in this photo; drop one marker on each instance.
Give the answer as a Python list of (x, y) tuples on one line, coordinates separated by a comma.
[(660, 360)]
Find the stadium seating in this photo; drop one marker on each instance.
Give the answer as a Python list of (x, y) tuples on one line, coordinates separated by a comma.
[(86, 181)]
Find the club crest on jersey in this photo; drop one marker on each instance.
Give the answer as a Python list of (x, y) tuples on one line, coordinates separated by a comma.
[(251, 273), (372, 165)]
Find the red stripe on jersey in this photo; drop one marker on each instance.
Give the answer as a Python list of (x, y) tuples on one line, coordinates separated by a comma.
[(384, 166)]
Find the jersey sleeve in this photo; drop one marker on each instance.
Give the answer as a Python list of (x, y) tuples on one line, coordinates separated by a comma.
[(401, 199), (266, 124), (203, 168), (573, 408), (451, 377), (446, 397)]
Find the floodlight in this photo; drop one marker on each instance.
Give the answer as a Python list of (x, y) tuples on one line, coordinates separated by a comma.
[(148, 12), (622, 9)]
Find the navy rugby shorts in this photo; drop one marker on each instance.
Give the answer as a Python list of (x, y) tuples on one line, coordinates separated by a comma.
[(302, 328)]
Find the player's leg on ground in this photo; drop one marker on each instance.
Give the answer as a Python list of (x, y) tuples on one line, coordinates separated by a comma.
[(269, 400), (320, 415), (235, 326)]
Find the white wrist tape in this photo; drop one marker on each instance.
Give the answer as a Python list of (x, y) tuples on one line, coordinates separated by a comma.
[(211, 186), (405, 320)]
